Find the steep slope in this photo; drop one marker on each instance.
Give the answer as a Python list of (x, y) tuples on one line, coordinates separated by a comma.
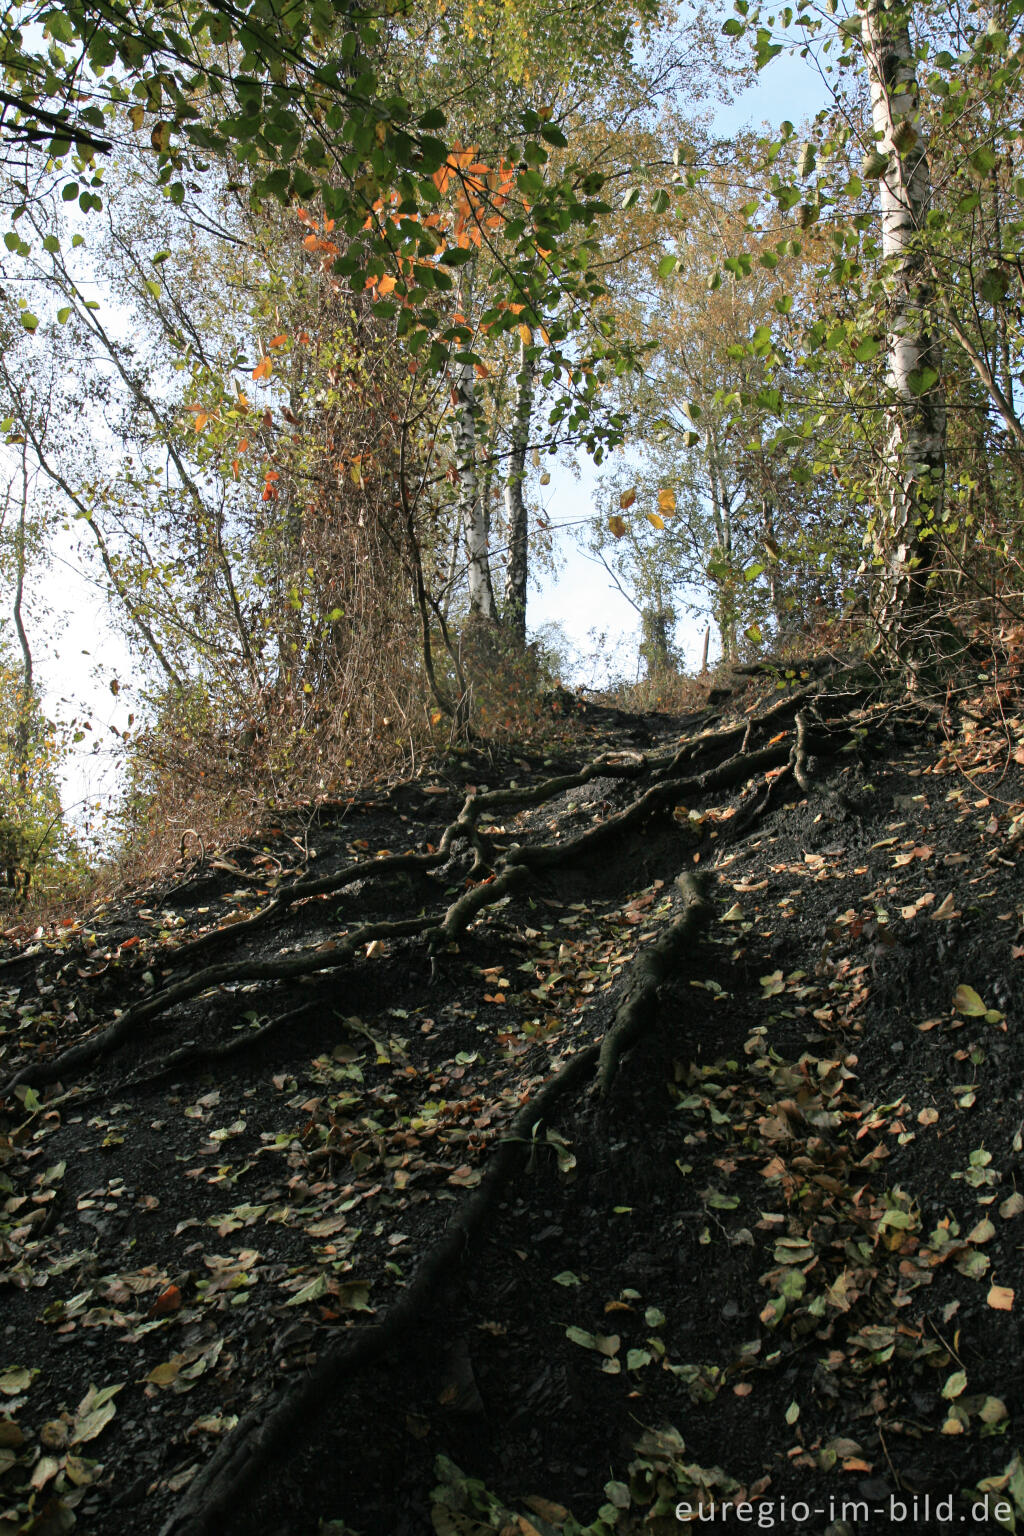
[(672, 1078)]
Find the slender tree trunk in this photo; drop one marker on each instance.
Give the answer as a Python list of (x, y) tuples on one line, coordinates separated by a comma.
[(474, 513), (917, 416), (27, 691), (771, 548), (515, 505)]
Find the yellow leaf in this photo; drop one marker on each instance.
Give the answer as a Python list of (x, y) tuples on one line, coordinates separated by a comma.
[(667, 502), (163, 1375), (1001, 1298), (137, 116), (627, 499), (526, 334), (201, 419), (545, 478), (654, 520), (617, 526), (967, 1001)]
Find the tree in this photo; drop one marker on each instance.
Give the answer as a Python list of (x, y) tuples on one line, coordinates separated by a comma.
[(924, 283), (729, 510), (917, 431)]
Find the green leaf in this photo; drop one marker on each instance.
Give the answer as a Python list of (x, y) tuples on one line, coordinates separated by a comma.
[(922, 380), (668, 266), (968, 1002), (316, 1288), (29, 320)]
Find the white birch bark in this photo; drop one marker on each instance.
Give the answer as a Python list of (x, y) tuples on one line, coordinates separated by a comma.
[(474, 513), (917, 416), (515, 505)]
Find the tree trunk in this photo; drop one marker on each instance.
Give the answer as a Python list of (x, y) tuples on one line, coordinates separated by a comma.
[(515, 505), (474, 514), (917, 415), (27, 690)]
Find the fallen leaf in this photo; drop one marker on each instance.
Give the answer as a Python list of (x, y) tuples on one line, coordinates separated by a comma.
[(968, 1002), (163, 1375), (17, 1378), (1000, 1298)]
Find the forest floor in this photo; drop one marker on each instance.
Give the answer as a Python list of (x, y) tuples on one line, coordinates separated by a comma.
[(602, 1138)]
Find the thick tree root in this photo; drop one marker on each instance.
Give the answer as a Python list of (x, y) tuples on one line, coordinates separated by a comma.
[(509, 871), (464, 827), (651, 967), (264, 1434)]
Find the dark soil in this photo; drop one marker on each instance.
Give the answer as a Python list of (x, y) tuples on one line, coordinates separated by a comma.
[(269, 1261)]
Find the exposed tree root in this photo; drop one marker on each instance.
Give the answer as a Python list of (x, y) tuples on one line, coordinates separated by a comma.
[(651, 967), (494, 877), (465, 826), (264, 1434)]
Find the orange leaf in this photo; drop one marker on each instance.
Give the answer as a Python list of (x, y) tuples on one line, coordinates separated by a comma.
[(1001, 1297), (617, 526), (168, 1301), (627, 499), (667, 502), (264, 368), (201, 420), (243, 445), (386, 283), (277, 341), (234, 469), (303, 339)]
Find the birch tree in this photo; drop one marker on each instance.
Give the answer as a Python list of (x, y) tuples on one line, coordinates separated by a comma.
[(916, 446)]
